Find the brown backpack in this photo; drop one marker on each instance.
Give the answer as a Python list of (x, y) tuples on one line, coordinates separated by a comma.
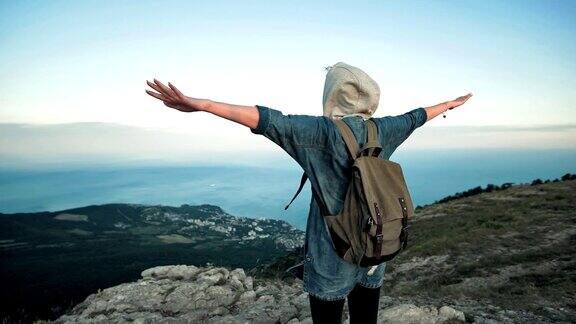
[(373, 225)]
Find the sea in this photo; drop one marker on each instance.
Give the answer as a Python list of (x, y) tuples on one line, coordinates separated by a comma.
[(263, 191)]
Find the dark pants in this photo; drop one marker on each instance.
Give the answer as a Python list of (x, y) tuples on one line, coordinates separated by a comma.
[(362, 305)]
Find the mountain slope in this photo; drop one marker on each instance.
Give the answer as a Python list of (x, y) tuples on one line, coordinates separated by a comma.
[(503, 255), (52, 260), (514, 249), (492, 257)]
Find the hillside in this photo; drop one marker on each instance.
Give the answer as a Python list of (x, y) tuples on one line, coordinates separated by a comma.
[(507, 254), (504, 256), (501, 256), (53, 260)]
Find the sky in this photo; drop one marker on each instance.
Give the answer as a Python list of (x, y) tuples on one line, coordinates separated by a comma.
[(88, 61)]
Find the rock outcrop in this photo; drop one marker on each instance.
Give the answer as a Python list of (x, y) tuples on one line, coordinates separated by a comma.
[(190, 294)]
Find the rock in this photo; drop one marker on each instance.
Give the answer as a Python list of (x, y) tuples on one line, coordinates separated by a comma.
[(247, 296), (189, 294), (219, 311), (265, 299), (238, 273), (236, 283), (249, 283), (177, 272), (220, 295), (411, 314), (450, 313), (142, 321)]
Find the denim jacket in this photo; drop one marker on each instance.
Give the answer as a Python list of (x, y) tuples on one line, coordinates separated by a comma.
[(315, 143)]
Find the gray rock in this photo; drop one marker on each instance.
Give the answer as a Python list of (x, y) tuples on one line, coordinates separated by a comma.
[(176, 272), (247, 296), (450, 313), (249, 283), (238, 273), (411, 314), (189, 294), (236, 283)]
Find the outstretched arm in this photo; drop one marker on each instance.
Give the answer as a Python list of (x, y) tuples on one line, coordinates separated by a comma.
[(396, 129), (173, 98), (436, 110), (296, 134)]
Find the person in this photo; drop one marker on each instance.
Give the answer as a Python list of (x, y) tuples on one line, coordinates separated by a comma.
[(315, 143)]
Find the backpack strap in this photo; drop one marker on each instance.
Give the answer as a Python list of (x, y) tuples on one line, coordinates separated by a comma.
[(372, 146), (372, 131), (302, 182), (352, 146), (404, 231), (348, 136)]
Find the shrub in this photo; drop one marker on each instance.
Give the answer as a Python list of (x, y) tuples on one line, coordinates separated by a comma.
[(568, 176), (536, 182)]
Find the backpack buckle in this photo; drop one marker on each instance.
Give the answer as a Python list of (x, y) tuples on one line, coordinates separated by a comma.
[(379, 238)]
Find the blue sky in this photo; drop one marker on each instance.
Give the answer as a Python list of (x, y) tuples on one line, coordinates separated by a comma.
[(87, 61)]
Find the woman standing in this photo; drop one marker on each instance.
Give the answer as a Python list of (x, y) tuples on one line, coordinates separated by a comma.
[(315, 143)]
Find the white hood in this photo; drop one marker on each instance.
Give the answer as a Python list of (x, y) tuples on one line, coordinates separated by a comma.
[(349, 91)]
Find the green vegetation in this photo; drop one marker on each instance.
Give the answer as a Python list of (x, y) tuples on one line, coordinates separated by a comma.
[(491, 187), (514, 249)]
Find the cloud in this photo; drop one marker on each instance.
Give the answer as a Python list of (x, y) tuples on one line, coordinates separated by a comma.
[(26, 145), (110, 143), (562, 136), (504, 128)]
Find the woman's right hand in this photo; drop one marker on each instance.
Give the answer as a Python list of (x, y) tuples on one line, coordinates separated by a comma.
[(458, 101), (173, 98)]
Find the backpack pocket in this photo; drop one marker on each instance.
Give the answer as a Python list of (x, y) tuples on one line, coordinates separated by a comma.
[(387, 235), (386, 241), (384, 189)]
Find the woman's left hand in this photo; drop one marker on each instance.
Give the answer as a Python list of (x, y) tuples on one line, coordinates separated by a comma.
[(458, 101)]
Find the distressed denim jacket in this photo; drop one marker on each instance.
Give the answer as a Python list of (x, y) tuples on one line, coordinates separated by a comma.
[(315, 143)]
